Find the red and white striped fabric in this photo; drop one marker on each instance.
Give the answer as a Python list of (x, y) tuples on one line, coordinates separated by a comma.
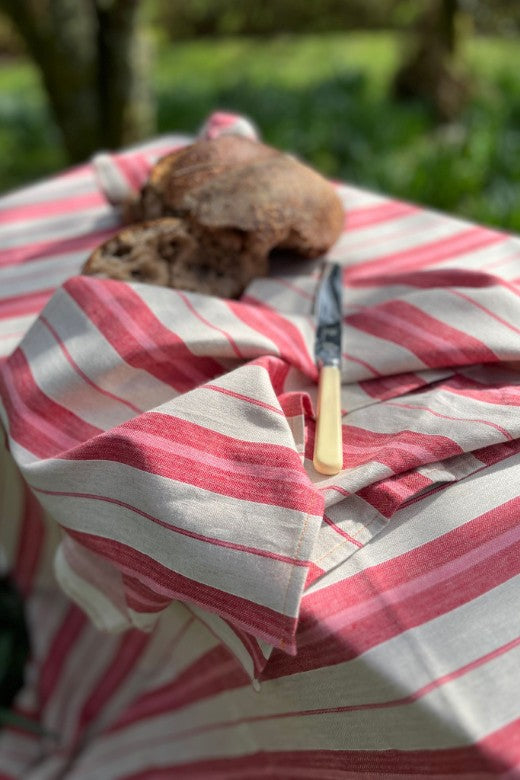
[(203, 604)]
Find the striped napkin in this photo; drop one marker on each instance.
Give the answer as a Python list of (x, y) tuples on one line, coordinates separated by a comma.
[(159, 443)]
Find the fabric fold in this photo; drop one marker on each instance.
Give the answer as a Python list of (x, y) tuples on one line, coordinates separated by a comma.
[(201, 498)]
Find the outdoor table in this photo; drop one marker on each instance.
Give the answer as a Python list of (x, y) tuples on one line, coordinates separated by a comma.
[(201, 602)]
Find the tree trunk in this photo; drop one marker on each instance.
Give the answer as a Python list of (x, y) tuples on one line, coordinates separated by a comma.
[(429, 72), (125, 100), (87, 54)]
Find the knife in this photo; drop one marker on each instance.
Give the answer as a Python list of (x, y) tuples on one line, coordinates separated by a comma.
[(328, 450)]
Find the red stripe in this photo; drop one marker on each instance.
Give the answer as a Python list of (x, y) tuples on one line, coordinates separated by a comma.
[(268, 624), (59, 207), (125, 659), (164, 355), (435, 343), (31, 540), (278, 370), (399, 451), (21, 305), (63, 642), (21, 428), (242, 397), (428, 279), (391, 386), (486, 759), (41, 425), (320, 645), (494, 453), (390, 494), (267, 473), (45, 249), (281, 331), (214, 672), (315, 572), (134, 167), (295, 404), (465, 241), (403, 701), (498, 393), (380, 212)]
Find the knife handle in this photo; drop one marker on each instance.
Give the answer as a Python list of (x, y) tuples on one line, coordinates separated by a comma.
[(328, 448)]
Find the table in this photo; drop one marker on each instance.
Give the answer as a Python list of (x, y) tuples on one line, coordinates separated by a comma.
[(202, 603)]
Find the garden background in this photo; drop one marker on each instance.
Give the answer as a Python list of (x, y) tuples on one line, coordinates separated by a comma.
[(318, 79)]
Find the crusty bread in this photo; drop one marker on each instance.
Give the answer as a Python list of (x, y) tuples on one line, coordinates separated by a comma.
[(162, 251), (211, 213)]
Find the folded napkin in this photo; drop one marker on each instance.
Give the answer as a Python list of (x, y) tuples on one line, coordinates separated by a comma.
[(170, 434)]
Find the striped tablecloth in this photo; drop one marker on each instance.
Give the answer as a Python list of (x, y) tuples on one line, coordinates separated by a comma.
[(203, 604)]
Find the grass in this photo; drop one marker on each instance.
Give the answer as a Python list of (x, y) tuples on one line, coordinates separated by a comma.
[(326, 98)]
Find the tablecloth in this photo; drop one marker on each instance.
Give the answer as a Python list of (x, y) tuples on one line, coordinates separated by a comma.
[(202, 603)]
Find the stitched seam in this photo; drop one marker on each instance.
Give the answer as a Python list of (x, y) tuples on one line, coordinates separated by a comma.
[(294, 555), (347, 541)]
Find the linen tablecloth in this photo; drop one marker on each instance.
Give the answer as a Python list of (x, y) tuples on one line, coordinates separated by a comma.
[(202, 603)]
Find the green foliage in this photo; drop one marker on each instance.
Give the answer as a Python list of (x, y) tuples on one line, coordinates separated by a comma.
[(179, 19), (29, 141), (325, 98), (249, 17)]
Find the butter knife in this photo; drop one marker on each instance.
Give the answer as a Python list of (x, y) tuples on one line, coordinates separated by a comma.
[(328, 450)]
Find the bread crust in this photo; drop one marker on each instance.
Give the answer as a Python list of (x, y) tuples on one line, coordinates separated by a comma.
[(211, 213)]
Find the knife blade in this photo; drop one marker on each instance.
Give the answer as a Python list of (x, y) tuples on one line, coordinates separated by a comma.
[(328, 449)]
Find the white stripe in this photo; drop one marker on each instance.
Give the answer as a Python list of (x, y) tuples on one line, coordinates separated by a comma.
[(422, 522), (18, 752), (263, 580), (221, 629), (470, 318), (78, 678), (200, 338), (385, 356), (42, 274), (101, 610), (407, 232), (180, 504), (234, 417), (58, 380), (58, 228), (99, 360), (456, 714), (61, 186), (391, 670), (474, 429), (356, 198), (355, 517)]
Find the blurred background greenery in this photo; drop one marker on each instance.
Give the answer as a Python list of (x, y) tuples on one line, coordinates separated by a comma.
[(420, 100)]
